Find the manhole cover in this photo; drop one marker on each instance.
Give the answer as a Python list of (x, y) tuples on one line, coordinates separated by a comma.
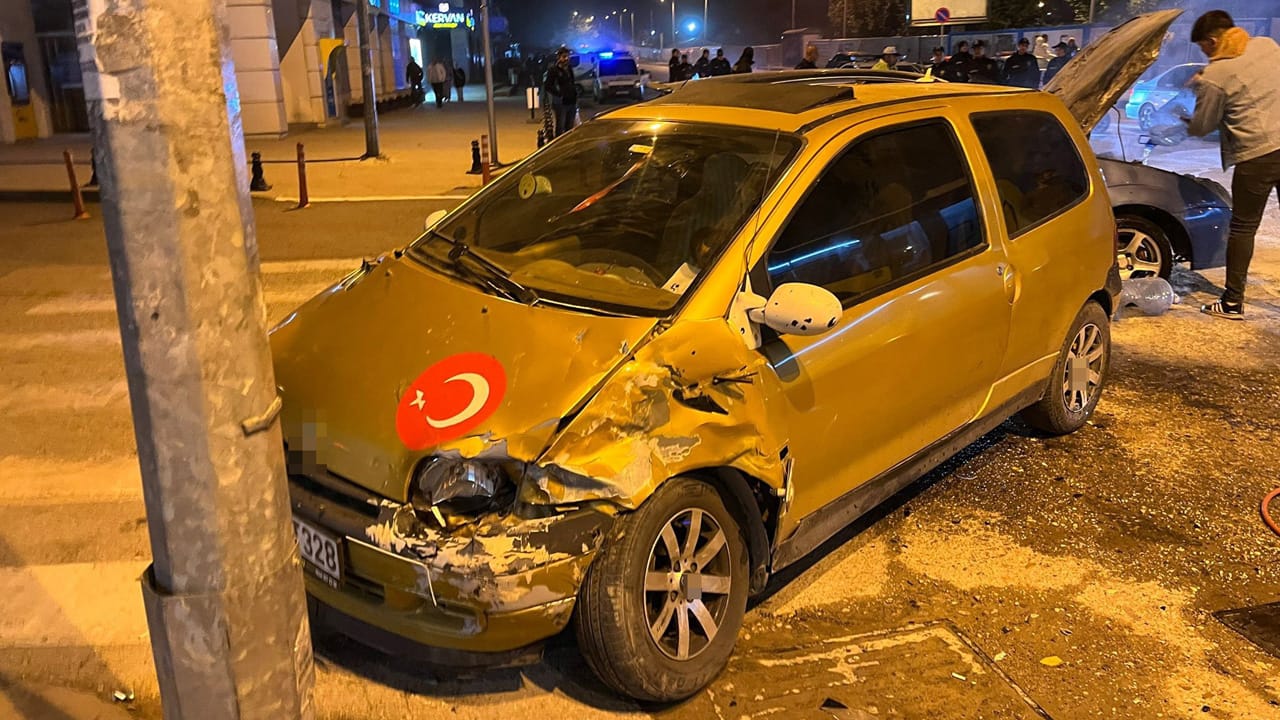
[(1260, 624), (929, 670)]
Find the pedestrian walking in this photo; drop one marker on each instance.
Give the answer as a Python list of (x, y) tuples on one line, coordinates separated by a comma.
[(983, 69), (413, 76), (1060, 59), (1021, 69), (673, 65), (1043, 52), (745, 61), (563, 90), (460, 81), (720, 65), (438, 75), (1238, 94), (702, 68), (888, 59), (810, 61)]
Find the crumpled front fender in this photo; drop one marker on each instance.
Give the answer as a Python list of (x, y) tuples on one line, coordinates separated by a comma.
[(695, 397)]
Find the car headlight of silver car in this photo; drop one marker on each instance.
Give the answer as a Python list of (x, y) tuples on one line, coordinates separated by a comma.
[(460, 486)]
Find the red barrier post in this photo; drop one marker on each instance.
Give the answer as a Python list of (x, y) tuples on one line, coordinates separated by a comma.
[(484, 160), (77, 200)]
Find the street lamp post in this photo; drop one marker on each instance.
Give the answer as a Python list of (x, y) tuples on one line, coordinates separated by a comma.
[(704, 20)]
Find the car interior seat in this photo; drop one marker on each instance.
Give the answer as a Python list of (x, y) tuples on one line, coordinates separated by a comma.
[(722, 174)]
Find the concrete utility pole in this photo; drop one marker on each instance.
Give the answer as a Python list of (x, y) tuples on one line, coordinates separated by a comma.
[(223, 595), (488, 83), (364, 30)]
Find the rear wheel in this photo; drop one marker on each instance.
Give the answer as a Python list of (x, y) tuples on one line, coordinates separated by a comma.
[(1143, 248), (660, 609), (1145, 113), (1078, 376)]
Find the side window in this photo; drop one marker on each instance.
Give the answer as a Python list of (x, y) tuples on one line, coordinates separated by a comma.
[(1037, 167), (893, 206)]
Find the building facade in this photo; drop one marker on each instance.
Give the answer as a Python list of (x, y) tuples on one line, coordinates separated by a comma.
[(297, 61)]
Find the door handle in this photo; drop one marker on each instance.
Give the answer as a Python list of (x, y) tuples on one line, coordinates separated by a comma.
[(1012, 283)]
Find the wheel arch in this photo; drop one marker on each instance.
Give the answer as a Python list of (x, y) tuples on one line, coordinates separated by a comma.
[(1178, 236), (755, 504)]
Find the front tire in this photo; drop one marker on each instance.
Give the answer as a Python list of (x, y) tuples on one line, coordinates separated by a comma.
[(1076, 383), (660, 609), (1143, 248)]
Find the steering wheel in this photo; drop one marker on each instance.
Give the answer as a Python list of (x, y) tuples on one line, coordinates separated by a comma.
[(605, 260)]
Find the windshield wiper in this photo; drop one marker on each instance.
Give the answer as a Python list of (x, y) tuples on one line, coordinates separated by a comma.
[(494, 277)]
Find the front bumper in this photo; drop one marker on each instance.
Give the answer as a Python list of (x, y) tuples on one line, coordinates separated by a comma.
[(461, 593), (1207, 231)]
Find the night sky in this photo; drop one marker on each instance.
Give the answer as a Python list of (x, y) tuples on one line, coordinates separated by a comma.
[(540, 22)]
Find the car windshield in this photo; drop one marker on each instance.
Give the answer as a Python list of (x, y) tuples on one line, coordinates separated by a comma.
[(619, 214), (626, 66)]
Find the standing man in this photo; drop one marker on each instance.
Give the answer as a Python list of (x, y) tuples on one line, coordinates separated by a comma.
[(438, 75), (810, 61), (673, 65), (460, 80), (720, 65), (684, 71), (413, 76), (1060, 59), (983, 69), (956, 68), (563, 91), (888, 59), (1238, 93), (1072, 47), (939, 57), (1021, 69), (702, 68)]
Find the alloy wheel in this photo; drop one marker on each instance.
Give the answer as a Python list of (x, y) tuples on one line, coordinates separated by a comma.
[(1082, 374), (1144, 116), (687, 583), (1138, 255)]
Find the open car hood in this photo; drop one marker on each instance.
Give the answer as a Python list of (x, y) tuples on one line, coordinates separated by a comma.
[(1092, 83)]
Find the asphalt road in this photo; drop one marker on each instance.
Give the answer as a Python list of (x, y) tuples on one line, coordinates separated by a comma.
[(1108, 549)]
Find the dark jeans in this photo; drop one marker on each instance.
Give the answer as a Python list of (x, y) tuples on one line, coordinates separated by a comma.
[(564, 117), (440, 91), (1251, 187)]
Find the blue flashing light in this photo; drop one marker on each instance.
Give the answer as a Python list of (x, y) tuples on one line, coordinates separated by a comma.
[(606, 55)]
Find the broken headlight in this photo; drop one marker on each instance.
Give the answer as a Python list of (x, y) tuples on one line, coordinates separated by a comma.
[(461, 486)]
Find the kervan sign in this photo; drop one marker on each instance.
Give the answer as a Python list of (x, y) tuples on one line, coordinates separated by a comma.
[(947, 12), (445, 20)]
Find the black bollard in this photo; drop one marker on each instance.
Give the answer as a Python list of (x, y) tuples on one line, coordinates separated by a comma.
[(258, 183), (542, 138), (93, 177), (475, 158)]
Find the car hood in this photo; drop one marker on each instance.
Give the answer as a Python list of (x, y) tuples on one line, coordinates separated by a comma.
[(1104, 69), (350, 362)]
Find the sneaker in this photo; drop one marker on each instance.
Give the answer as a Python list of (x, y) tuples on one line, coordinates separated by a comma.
[(1224, 310)]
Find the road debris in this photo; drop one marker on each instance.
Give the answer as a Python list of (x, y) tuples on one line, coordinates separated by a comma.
[(1051, 661)]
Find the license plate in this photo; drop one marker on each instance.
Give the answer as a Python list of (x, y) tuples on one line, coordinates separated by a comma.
[(320, 550)]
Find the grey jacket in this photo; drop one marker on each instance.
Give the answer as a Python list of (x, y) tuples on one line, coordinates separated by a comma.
[(1241, 97)]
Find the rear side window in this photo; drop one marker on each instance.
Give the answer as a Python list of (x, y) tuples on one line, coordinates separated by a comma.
[(1038, 170), (894, 206)]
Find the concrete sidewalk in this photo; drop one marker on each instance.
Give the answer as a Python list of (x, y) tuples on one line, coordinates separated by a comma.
[(426, 151)]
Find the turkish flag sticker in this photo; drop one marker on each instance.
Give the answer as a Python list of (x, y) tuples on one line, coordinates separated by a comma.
[(449, 399)]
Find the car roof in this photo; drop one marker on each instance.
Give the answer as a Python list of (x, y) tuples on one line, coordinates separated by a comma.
[(795, 100)]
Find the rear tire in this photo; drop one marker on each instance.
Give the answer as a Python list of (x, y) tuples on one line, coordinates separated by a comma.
[(1078, 376), (695, 597)]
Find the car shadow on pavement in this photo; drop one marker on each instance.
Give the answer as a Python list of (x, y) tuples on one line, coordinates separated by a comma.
[(562, 669)]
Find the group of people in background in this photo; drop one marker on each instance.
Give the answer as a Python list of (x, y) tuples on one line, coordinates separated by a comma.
[(707, 66), (438, 75), (1021, 69)]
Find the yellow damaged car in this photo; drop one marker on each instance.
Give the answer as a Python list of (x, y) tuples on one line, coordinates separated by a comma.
[(681, 346)]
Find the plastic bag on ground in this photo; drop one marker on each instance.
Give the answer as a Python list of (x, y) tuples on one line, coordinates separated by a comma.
[(1151, 295)]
